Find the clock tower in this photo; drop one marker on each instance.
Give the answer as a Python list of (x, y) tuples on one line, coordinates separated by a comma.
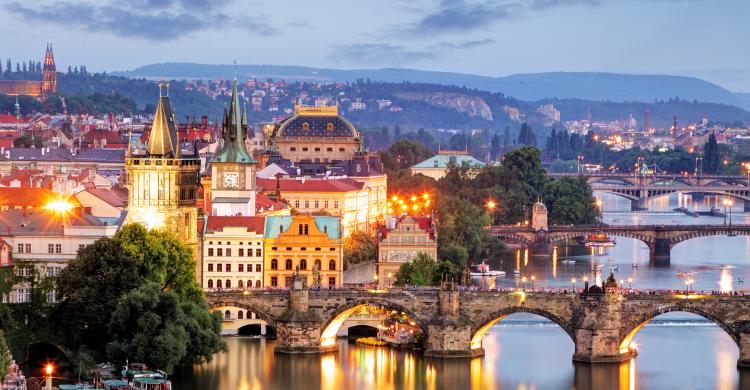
[(232, 168)]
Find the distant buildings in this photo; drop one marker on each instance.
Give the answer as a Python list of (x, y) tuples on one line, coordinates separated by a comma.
[(45, 87), (437, 165)]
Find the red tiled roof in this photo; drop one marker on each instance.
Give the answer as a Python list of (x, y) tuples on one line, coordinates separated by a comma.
[(115, 197), (263, 201), (8, 118), (253, 224), (29, 197), (310, 185)]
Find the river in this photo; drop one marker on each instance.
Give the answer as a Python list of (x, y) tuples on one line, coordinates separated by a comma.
[(524, 351)]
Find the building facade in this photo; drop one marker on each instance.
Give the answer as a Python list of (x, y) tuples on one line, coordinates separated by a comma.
[(163, 180), (317, 134), (437, 166), (232, 255), (47, 86), (400, 241), (310, 245)]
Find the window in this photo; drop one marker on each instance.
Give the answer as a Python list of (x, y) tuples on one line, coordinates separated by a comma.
[(219, 252), (296, 204), (241, 252), (53, 271), (335, 204), (305, 126), (240, 285), (299, 229), (303, 248), (274, 264), (81, 246), (228, 268), (257, 267), (210, 251), (228, 283), (229, 251), (325, 204), (249, 284), (274, 281), (317, 249), (210, 267), (329, 149), (28, 248), (258, 252), (218, 283), (333, 249), (50, 248), (24, 295), (317, 265), (51, 296), (303, 265), (227, 314), (307, 204), (210, 283), (304, 149), (20, 248), (218, 267), (240, 313), (317, 204), (292, 149), (58, 248), (341, 149), (241, 268), (332, 265), (288, 264), (306, 230), (257, 283), (317, 149), (332, 281)]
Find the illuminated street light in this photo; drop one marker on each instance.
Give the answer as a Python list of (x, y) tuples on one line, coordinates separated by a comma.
[(491, 205), (49, 369), (574, 284), (630, 283), (533, 278)]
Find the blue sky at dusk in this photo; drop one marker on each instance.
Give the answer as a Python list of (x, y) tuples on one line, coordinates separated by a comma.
[(707, 39)]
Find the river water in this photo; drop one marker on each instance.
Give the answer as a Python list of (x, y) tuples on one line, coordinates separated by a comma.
[(527, 352)]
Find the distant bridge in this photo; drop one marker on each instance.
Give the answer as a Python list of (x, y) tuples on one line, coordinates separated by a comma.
[(640, 188), (659, 238)]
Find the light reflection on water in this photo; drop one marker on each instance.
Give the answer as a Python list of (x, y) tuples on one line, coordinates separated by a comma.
[(525, 352)]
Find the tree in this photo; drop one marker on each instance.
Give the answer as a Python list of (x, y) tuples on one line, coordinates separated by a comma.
[(403, 154), (360, 247), (156, 327), (507, 140), (711, 156), (4, 355), (526, 135), (570, 201), (495, 147), (423, 271)]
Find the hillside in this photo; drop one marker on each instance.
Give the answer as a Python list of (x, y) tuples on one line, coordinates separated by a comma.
[(534, 86)]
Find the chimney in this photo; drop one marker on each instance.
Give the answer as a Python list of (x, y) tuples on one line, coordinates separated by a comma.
[(204, 121)]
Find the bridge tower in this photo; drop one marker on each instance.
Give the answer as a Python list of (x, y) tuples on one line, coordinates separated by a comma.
[(298, 329), (539, 216), (448, 332)]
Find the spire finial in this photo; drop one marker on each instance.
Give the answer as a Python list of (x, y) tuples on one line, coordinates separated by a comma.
[(235, 70), (167, 89), (160, 86)]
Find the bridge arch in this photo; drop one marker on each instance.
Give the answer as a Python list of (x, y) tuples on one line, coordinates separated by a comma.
[(337, 317), (260, 313), (635, 326), (484, 323)]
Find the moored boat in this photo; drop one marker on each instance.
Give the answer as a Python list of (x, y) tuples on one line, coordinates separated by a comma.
[(599, 240), (139, 377)]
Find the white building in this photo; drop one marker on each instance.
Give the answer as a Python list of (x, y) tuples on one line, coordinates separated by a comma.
[(232, 255)]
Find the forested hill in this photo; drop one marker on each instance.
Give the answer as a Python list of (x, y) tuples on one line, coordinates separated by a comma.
[(530, 86), (413, 105)]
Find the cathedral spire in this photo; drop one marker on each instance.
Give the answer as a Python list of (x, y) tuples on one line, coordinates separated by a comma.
[(163, 136), (234, 132)]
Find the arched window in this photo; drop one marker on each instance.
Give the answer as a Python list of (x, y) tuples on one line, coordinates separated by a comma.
[(227, 314), (257, 284), (274, 264), (210, 283), (332, 265), (218, 283), (303, 265), (228, 284), (318, 265), (288, 264), (305, 126), (329, 126), (240, 315), (240, 284)]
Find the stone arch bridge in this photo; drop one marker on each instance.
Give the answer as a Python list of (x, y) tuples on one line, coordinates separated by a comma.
[(660, 239), (601, 325)]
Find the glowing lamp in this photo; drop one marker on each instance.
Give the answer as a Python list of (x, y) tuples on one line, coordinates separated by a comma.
[(49, 369)]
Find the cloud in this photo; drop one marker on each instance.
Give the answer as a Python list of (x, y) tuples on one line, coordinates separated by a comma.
[(384, 54), (157, 20), (470, 15)]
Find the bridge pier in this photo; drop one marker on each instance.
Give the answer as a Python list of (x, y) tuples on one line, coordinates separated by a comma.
[(597, 334), (298, 329), (744, 341), (746, 203), (449, 333), (660, 251), (638, 204)]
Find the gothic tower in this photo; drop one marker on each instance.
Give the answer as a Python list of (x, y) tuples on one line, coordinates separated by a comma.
[(233, 169), (163, 180), (49, 73)]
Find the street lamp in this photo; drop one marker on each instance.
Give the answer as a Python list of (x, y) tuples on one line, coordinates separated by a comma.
[(727, 203), (523, 283), (695, 172), (390, 275), (630, 283), (49, 369), (574, 284), (533, 278)]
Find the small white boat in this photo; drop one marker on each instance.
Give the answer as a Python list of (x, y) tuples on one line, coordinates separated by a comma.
[(568, 262)]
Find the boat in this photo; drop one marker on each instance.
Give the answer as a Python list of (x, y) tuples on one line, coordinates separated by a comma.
[(599, 240), (516, 272), (568, 262), (635, 265), (115, 384), (487, 273), (139, 377)]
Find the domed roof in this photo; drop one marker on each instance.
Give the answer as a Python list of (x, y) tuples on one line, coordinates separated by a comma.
[(539, 206), (316, 122)]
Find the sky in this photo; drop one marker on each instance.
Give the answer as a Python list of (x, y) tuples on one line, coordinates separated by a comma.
[(709, 39)]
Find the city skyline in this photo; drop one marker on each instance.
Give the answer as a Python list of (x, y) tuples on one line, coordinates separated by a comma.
[(677, 37)]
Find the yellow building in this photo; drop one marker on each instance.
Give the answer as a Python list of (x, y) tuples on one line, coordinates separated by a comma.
[(302, 243), (317, 134), (162, 180), (357, 204), (400, 242)]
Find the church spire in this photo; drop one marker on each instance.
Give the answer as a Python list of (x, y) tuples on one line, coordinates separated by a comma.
[(161, 140), (234, 132)]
